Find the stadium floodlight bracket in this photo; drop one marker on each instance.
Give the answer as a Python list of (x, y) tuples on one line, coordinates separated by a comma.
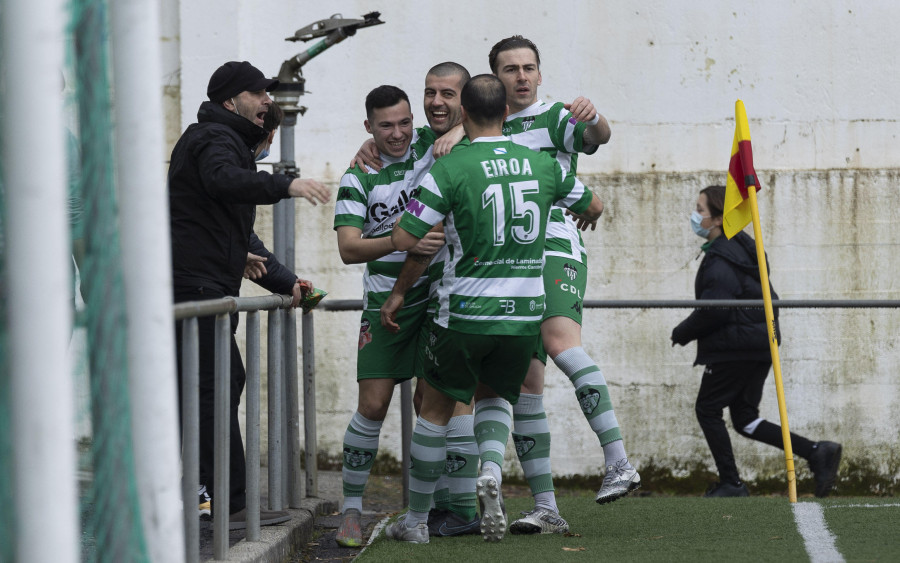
[(334, 30)]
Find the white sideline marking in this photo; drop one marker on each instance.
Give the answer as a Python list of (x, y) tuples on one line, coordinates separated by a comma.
[(819, 541), (378, 527), (891, 505)]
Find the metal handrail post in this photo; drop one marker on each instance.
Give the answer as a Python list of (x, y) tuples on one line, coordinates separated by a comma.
[(222, 440), (274, 394), (294, 455), (190, 436), (285, 413), (406, 431), (252, 427), (309, 406)]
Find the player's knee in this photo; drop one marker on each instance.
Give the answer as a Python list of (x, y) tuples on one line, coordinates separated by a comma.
[(373, 408)]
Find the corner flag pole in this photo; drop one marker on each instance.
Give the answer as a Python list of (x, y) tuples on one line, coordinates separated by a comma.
[(773, 347)]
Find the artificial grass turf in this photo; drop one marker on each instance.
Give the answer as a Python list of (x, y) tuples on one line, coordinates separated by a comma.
[(670, 529)]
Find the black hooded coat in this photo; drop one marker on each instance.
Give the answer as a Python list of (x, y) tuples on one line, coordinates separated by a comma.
[(728, 271)]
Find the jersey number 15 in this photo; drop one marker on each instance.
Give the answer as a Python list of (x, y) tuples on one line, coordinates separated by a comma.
[(521, 209)]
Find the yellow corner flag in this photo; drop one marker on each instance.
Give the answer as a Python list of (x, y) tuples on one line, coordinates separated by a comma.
[(741, 176), (741, 208)]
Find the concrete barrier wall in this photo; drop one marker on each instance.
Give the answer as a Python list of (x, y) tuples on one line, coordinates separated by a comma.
[(828, 236), (818, 83)]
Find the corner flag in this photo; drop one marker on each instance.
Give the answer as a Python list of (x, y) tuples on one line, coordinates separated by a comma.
[(741, 176)]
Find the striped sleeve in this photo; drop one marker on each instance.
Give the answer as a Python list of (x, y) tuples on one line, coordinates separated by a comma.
[(567, 134), (350, 208), (575, 196), (426, 209)]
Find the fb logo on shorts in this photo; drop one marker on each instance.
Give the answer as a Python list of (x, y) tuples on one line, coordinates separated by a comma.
[(571, 271)]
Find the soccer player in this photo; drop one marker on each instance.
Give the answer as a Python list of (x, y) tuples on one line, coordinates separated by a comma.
[(455, 510), (562, 130), (493, 199), (369, 202), (366, 209)]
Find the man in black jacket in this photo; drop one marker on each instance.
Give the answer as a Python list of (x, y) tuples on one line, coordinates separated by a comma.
[(214, 188)]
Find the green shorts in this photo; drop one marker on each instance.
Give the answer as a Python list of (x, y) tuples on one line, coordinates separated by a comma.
[(386, 355), (455, 362), (565, 281)]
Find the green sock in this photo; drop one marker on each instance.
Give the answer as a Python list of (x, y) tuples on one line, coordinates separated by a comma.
[(360, 448), (532, 438), (461, 469), (593, 395), (428, 457), (492, 421)]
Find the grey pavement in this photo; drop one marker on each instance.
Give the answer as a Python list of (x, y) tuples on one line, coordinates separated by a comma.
[(277, 543)]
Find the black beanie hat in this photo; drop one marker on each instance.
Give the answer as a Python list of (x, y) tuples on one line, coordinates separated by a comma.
[(233, 77)]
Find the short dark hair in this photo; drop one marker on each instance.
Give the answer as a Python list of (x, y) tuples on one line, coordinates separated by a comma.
[(484, 99), (715, 199), (508, 44), (450, 68), (274, 117), (384, 97)]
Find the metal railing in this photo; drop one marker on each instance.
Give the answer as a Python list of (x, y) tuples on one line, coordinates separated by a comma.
[(283, 405), (283, 413), (406, 392)]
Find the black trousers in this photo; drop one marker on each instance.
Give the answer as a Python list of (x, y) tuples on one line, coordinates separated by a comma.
[(237, 464), (738, 386)]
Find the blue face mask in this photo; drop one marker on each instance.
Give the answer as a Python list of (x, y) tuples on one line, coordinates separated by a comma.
[(696, 219), (263, 154)]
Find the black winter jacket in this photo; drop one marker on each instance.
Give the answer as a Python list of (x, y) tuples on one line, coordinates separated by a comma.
[(214, 188), (728, 271)]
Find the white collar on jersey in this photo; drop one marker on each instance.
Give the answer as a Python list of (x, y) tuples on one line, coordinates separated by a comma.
[(490, 139), (533, 109)]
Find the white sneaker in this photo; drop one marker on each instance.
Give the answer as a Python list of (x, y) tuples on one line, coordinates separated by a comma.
[(397, 530), (618, 482), (493, 511), (539, 521)]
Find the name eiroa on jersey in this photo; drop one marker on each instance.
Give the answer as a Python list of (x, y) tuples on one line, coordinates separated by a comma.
[(506, 167), (493, 198)]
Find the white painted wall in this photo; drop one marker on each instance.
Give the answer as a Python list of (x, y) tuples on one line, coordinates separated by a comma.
[(818, 82)]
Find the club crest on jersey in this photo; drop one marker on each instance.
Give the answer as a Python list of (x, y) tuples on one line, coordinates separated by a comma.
[(570, 270), (356, 458), (527, 123), (364, 335), (415, 155), (524, 444), (589, 400), (454, 463)]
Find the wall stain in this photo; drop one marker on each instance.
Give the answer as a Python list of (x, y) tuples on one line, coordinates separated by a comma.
[(857, 477)]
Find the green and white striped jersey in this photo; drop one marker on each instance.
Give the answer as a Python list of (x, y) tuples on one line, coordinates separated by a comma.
[(552, 129), (494, 198), (372, 201)]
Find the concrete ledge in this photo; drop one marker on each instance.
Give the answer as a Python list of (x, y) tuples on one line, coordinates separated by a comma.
[(277, 543)]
